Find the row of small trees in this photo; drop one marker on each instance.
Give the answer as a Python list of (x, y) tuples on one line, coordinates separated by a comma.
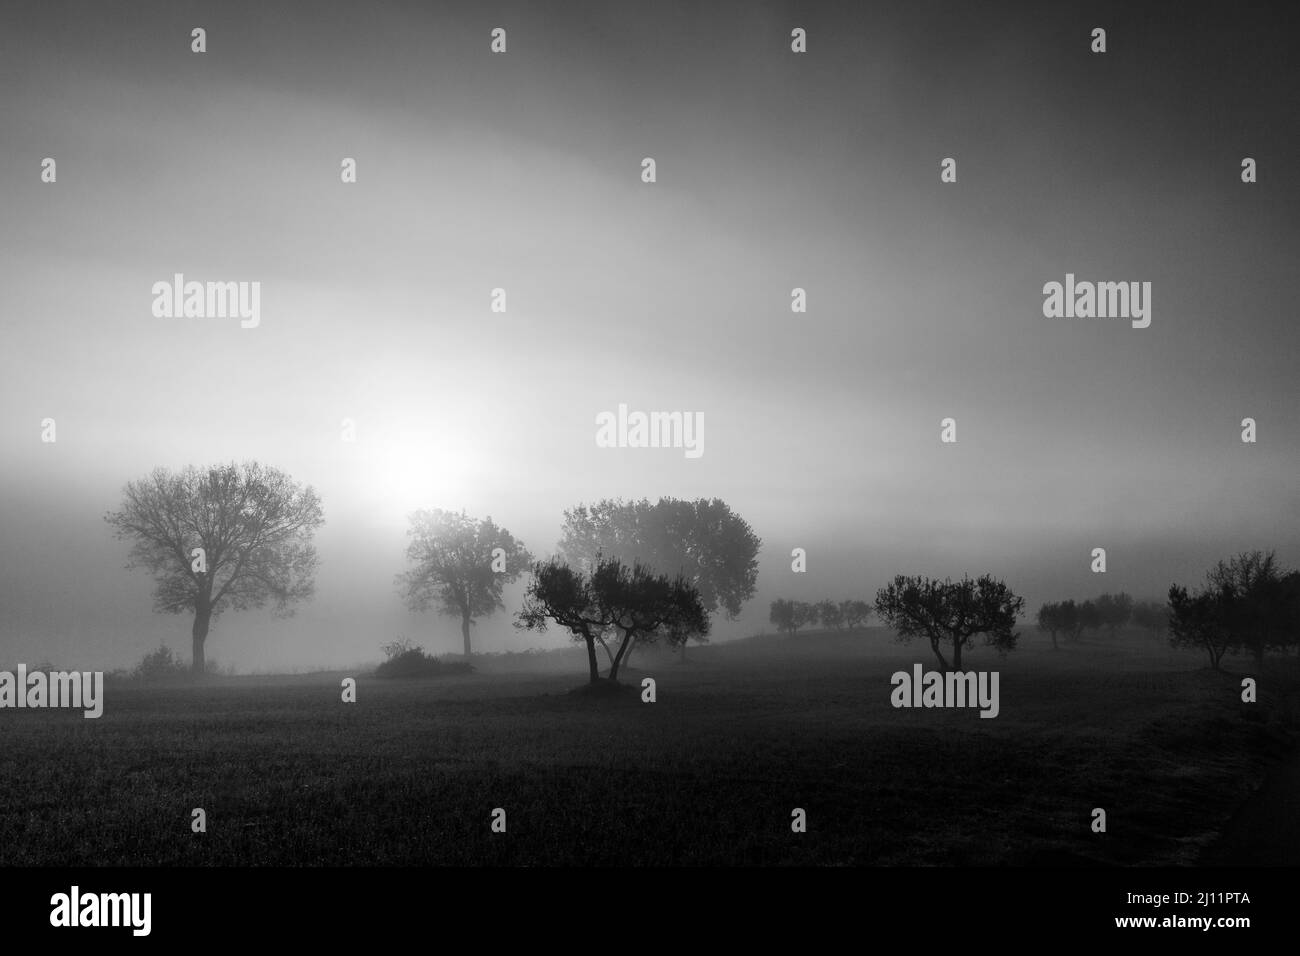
[(636, 605), (948, 614), (1109, 611), (788, 616), (1247, 603)]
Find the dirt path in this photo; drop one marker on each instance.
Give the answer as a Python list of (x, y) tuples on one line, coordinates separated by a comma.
[(1265, 831)]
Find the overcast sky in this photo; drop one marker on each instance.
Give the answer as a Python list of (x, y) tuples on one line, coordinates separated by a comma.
[(523, 171)]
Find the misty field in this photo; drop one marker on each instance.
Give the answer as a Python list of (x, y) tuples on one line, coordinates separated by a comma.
[(708, 774)]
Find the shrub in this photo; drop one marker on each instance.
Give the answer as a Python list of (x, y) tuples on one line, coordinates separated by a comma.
[(160, 665), (409, 660), (397, 648), (164, 665)]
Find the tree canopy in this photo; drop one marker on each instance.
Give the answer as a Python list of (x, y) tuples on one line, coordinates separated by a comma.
[(788, 616), (1247, 602), (226, 536), (951, 612), (460, 566), (634, 603), (704, 541)]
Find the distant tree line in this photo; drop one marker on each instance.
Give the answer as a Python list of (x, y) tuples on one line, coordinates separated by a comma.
[(1109, 611), (788, 616), (948, 614), (1248, 603)]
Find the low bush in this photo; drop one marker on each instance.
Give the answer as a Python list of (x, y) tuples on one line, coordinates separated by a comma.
[(160, 665), (164, 665), (408, 660)]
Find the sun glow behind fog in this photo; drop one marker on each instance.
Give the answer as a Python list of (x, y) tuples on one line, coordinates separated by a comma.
[(402, 469)]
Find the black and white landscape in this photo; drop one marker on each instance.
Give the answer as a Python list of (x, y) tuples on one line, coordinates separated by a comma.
[(672, 434)]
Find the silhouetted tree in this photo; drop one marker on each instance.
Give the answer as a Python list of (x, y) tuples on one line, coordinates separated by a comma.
[(1089, 618), (1254, 601), (644, 606), (712, 547), (1289, 608), (1114, 611), (789, 616), (951, 612), (458, 567), (1071, 625), (855, 613), (781, 615), (828, 612), (565, 595), (253, 525), (1201, 620), (637, 604), (1152, 616), (805, 615), (1051, 619)]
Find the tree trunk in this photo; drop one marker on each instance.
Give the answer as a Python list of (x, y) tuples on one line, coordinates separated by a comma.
[(618, 658), (591, 660), (1054, 646), (956, 654), (464, 630), (627, 658), (608, 652), (202, 617)]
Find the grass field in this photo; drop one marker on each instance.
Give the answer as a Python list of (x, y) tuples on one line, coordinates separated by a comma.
[(739, 736)]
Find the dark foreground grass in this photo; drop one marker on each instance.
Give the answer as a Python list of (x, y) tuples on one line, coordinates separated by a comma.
[(709, 774)]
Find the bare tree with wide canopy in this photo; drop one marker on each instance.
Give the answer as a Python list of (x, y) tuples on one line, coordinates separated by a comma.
[(225, 536)]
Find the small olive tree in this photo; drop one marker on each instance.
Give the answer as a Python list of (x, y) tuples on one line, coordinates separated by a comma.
[(951, 613)]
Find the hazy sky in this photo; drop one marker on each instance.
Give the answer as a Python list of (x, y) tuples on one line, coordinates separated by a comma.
[(522, 171)]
